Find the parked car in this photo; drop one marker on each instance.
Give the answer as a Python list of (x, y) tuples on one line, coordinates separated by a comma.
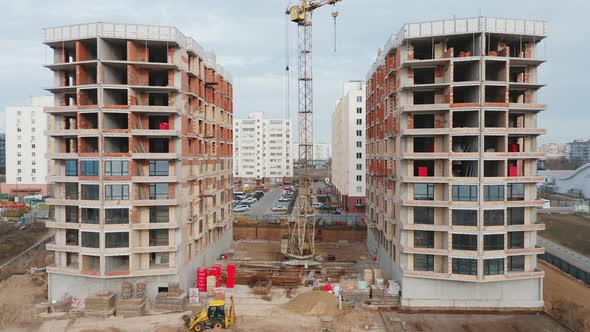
[(245, 201), (241, 208), (258, 194), (326, 208), (284, 199), (279, 208), (318, 204)]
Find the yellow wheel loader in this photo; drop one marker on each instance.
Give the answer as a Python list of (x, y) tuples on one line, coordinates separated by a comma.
[(214, 317)]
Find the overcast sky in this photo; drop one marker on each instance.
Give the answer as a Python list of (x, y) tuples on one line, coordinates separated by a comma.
[(249, 38)]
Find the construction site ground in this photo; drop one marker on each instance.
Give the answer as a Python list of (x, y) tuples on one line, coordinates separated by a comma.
[(569, 230), (16, 237), (302, 310)]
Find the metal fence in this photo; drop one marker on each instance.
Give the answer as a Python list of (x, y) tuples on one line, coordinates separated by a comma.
[(566, 267), (348, 220), (564, 202)]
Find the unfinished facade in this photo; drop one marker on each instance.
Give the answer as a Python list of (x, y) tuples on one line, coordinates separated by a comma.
[(140, 152), (452, 157)]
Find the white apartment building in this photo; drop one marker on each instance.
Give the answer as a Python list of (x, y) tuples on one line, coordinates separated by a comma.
[(555, 150), (26, 147), (322, 152), (263, 148), (348, 147)]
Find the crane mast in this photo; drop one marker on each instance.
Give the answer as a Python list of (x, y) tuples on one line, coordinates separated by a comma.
[(301, 237)]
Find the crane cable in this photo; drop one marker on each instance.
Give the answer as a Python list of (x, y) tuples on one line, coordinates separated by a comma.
[(287, 73)]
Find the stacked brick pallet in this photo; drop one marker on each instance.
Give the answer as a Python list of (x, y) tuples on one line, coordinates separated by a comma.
[(174, 300), (101, 304), (127, 305)]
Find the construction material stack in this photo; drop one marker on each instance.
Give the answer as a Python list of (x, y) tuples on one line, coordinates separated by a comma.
[(173, 300), (100, 305), (129, 305)]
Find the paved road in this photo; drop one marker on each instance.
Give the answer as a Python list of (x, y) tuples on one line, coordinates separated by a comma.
[(574, 258)]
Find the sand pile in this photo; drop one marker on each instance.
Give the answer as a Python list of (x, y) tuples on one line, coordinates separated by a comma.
[(314, 303)]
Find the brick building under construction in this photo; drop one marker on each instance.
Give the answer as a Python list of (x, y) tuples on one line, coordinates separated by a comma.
[(452, 159), (140, 153)]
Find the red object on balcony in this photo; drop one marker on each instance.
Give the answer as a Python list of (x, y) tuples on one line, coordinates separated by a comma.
[(514, 148), (164, 126), (431, 147), (512, 171), (422, 171)]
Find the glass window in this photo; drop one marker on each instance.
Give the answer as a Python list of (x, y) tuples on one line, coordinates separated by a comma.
[(359, 110), (516, 263), (424, 191), (90, 192), (116, 216), (464, 242), (493, 217), (423, 215), (90, 240), (515, 192), (423, 239), (516, 216), (89, 167), (158, 167), (90, 216), (116, 240), (465, 193), (72, 214), (493, 193), (465, 217), (515, 240), (116, 192), (493, 266), (71, 168), (158, 190), (71, 237), (465, 266), (71, 190), (493, 242), (159, 214), (116, 168), (423, 262), (359, 99)]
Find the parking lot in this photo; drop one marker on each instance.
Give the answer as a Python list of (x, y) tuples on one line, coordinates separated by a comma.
[(264, 206)]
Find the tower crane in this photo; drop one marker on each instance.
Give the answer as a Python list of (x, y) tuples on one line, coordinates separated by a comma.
[(300, 245)]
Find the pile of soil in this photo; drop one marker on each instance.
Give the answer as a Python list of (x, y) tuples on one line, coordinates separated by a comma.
[(18, 297), (314, 303)]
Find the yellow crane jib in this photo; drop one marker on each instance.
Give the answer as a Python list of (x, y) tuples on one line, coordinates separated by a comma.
[(298, 12)]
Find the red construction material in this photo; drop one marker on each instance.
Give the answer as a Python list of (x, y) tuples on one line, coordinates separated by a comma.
[(514, 148), (512, 171), (164, 126), (202, 279), (422, 171), (328, 287), (431, 147)]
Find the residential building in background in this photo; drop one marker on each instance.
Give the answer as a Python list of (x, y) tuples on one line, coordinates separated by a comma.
[(26, 148), (263, 148), (555, 150), (579, 151), (2, 154), (140, 152), (348, 146), (322, 152), (452, 153)]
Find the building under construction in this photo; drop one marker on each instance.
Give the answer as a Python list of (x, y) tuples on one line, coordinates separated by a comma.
[(452, 156), (140, 152)]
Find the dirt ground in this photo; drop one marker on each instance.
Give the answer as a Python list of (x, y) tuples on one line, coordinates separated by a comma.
[(15, 238), (566, 299), (568, 230), (18, 297), (270, 251)]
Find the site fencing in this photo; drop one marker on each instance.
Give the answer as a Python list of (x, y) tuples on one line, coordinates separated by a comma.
[(345, 220), (566, 267)]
